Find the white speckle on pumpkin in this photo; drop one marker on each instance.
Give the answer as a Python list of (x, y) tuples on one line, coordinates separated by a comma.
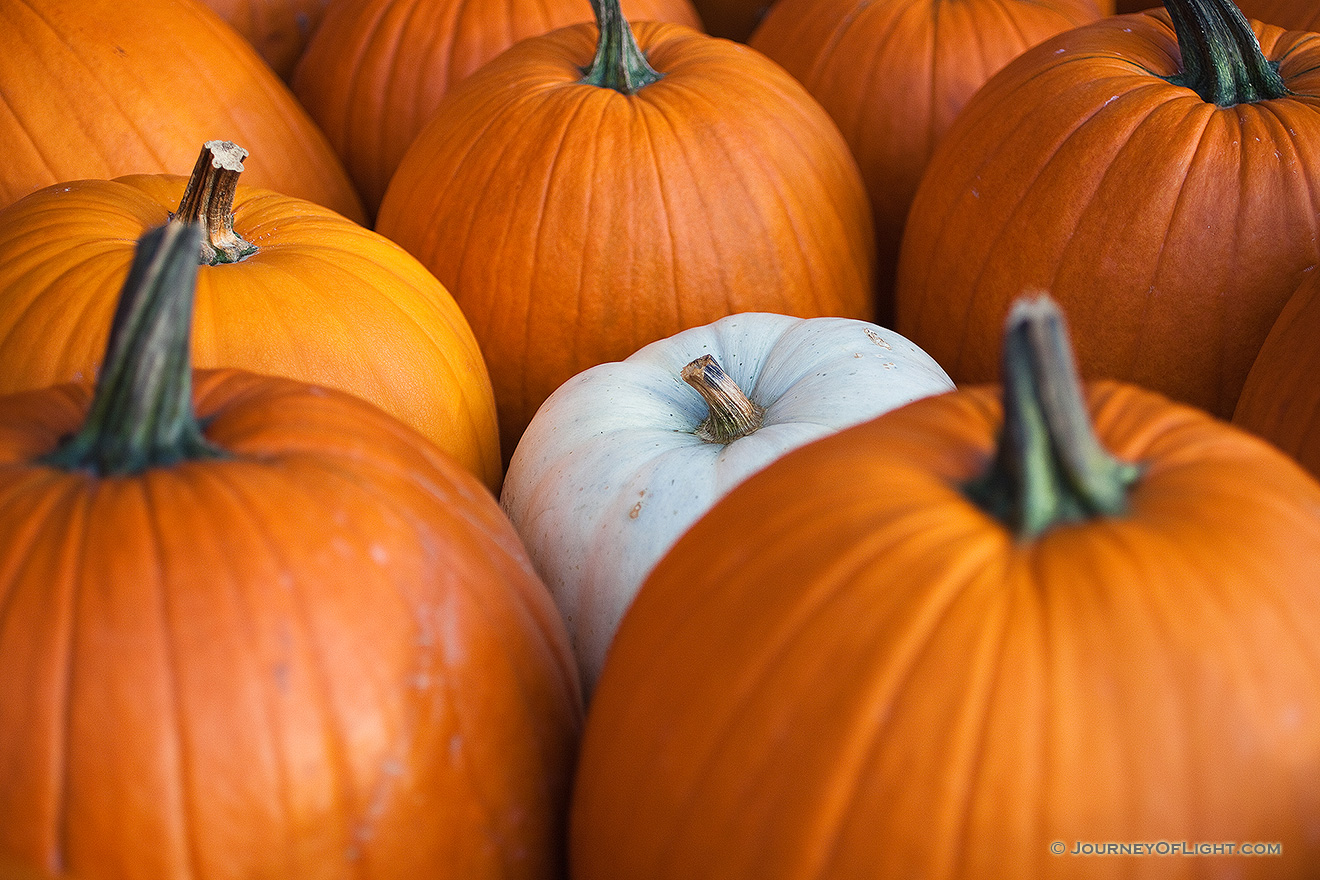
[(379, 554)]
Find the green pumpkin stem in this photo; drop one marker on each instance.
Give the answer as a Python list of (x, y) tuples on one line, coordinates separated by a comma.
[(209, 200), (1221, 58), (732, 414), (1049, 467), (620, 63), (142, 412)]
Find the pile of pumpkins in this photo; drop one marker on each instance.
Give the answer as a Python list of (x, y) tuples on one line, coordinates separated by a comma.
[(691, 438)]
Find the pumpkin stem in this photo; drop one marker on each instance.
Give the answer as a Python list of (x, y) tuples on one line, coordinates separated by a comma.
[(142, 412), (1049, 468), (209, 200), (732, 414), (1221, 58), (620, 63)]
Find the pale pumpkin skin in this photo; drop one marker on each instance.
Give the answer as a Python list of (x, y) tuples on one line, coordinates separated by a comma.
[(611, 470)]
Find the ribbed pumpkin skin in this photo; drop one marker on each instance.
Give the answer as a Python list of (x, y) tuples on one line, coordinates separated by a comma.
[(894, 74), (1297, 15), (574, 224), (324, 300), (277, 29), (1170, 230), (872, 678), (325, 658), (377, 69), (1281, 398), (100, 89)]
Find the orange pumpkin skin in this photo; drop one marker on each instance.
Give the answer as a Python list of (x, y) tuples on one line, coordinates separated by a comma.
[(325, 657), (1296, 15), (377, 69), (575, 224), (894, 74), (1165, 226), (875, 679), (1281, 398), (277, 29), (324, 300), (100, 89)]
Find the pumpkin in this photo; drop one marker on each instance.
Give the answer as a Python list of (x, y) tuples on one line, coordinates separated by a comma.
[(277, 29), (1297, 15), (911, 649), (624, 456), (1281, 398), (377, 69), (576, 218), (101, 89), (1120, 165), (289, 288), (894, 74), (275, 634)]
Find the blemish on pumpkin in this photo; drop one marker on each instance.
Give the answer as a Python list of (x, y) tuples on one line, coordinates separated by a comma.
[(877, 339), (636, 511)]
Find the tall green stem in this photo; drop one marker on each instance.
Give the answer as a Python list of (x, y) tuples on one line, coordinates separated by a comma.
[(142, 412), (619, 63), (209, 201), (1049, 467), (1221, 57)]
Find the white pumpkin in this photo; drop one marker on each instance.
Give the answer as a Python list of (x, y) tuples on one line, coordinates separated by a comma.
[(614, 468)]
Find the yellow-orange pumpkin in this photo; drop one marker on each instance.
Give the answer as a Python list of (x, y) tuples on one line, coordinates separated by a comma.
[(322, 300)]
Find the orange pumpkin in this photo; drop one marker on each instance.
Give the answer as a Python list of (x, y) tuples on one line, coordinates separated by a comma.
[(377, 69), (577, 218), (277, 29), (893, 74), (1296, 15), (911, 650), (1281, 398), (322, 299), (280, 635), (1166, 204), (101, 89)]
